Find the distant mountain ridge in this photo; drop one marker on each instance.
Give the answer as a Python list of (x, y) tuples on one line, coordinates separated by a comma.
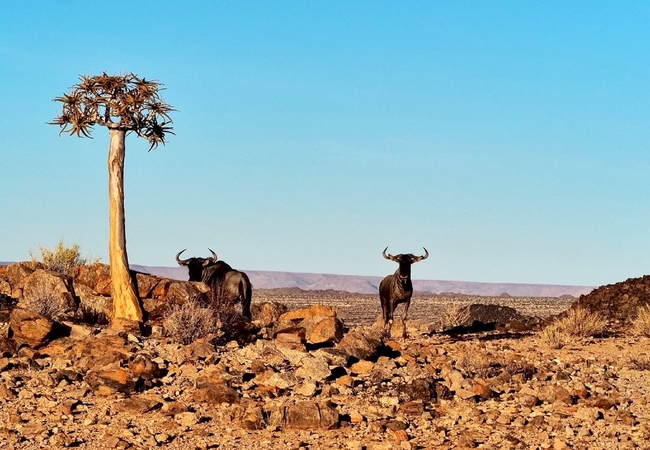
[(369, 284)]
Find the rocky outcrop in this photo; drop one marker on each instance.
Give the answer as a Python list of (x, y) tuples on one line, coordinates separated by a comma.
[(618, 302), (88, 291)]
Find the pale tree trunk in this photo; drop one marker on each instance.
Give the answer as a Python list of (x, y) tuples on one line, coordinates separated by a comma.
[(125, 300)]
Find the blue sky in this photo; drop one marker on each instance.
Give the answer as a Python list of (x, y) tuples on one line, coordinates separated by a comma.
[(511, 139)]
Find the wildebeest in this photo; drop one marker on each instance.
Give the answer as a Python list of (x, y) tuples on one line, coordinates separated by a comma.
[(224, 282), (398, 288)]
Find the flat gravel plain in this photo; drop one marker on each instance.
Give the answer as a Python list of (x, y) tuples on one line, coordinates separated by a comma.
[(364, 309)]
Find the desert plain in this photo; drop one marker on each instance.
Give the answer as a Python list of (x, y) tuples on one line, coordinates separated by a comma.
[(292, 384)]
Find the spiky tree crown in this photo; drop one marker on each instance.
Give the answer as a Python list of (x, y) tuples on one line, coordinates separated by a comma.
[(123, 102)]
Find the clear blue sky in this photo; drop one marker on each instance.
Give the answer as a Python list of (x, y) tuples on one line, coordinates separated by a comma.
[(510, 138)]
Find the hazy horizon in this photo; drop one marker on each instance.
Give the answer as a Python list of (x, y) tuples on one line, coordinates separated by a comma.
[(275, 278)]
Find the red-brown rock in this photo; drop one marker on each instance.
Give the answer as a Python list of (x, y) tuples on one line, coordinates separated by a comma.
[(33, 329)]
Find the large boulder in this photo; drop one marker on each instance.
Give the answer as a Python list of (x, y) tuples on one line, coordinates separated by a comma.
[(319, 323), (32, 329), (96, 276), (109, 380), (14, 274), (214, 391), (90, 302), (493, 314), (5, 288), (361, 343), (90, 289)]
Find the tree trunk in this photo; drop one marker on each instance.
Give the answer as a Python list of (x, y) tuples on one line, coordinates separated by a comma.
[(125, 300)]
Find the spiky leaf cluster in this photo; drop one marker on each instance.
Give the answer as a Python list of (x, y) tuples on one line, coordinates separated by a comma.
[(124, 102)]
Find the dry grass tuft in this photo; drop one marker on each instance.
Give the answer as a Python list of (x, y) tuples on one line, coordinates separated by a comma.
[(554, 336), (454, 316), (62, 259), (582, 323), (579, 323), (475, 361), (641, 325), (640, 362), (190, 321)]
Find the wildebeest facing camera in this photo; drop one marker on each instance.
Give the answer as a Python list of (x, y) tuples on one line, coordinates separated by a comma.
[(224, 283)]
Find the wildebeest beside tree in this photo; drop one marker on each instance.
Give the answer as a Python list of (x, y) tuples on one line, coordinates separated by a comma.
[(397, 288), (121, 103), (226, 285)]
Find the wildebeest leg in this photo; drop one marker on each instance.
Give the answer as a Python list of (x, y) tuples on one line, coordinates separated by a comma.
[(246, 306), (385, 315), (388, 324), (406, 310)]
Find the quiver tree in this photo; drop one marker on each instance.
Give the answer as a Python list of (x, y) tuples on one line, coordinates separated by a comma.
[(122, 104)]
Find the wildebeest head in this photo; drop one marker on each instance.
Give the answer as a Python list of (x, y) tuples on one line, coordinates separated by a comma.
[(195, 266), (405, 260)]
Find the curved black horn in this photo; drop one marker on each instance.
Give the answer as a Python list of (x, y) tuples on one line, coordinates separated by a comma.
[(425, 256), (389, 256), (181, 262), (215, 258)]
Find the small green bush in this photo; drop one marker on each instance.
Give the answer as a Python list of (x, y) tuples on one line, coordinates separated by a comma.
[(62, 259)]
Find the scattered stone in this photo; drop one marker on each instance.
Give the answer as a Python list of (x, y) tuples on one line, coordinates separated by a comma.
[(110, 381), (313, 368), (288, 390), (34, 330), (215, 393), (359, 344)]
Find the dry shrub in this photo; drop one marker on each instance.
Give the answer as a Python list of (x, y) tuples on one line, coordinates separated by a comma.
[(477, 362), (209, 313), (231, 324), (518, 367), (582, 323), (44, 300), (641, 324), (454, 316), (91, 316), (62, 259), (190, 321), (553, 336), (579, 323), (640, 362)]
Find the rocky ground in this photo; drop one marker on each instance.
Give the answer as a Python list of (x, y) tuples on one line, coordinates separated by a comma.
[(308, 380)]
